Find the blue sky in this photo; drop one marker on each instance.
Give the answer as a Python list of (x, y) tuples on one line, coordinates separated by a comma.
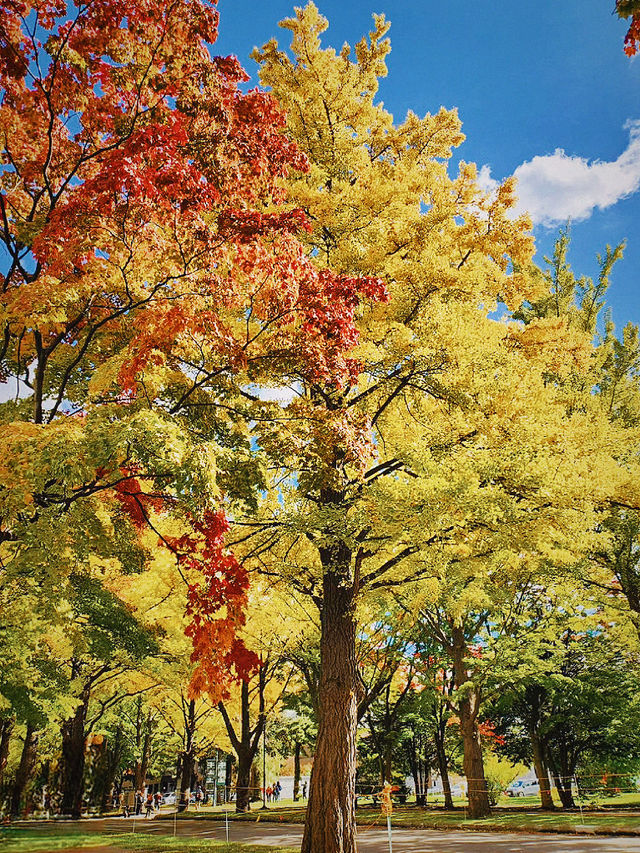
[(544, 91)]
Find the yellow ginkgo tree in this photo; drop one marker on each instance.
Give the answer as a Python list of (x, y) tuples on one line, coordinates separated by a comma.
[(448, 442)]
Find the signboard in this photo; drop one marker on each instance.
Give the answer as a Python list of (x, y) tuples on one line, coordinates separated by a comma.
[(211, 772), (222, 770), (216, 775)]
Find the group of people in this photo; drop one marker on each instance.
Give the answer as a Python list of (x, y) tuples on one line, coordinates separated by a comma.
[(150, 803), (273, 792)]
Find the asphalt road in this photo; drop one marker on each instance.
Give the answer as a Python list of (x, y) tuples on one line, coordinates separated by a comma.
[(372, 840)]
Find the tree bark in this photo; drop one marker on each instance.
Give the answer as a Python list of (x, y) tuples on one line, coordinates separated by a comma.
[(112, 763), (6, 727), (138, 781), (542, 774), (296, 771), (143, 746), (473, 764), (246, 743), (565, 791), (443, 770), (146, 753), (245, 754), (188, 757), (468, 708), (243, 782), (330, 821), (25, 769), (73, 760), (562, 767)]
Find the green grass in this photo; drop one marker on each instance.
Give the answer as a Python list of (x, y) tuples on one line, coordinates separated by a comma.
[(33, 841), (515, 815), (519, 820)]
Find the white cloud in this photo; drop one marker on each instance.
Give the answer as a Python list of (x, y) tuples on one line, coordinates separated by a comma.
[(485, 181), (556, 187)]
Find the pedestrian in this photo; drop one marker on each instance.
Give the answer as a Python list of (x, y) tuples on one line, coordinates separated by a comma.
[(139, 802), (278, 789), (149, 805), (304, 790), (157, 800), (198, 798), (269, 793)]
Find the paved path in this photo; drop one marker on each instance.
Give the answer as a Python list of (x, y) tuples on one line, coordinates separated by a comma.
[(369, 840)]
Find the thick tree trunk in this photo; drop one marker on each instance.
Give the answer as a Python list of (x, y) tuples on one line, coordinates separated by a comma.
[(73, 760), (473, 764), (24, 771), (243, 782), (245, 754), (542, 774), (330, 821), (6, 727), (296, 771), (468, 707)]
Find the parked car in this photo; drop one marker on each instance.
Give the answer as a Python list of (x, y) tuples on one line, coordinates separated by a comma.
[(523, 788), (169, 799)]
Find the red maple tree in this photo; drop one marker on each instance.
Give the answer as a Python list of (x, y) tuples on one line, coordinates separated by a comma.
[(143, 219)]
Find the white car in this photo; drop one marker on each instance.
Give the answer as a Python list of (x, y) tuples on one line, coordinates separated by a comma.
[(169, 799), (524, 788)]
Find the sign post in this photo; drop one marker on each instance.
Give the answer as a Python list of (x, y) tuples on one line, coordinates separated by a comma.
[(387, 807)]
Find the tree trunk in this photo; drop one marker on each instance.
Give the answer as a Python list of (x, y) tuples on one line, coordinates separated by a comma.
[(387, 762), (330, 820), (6, 727), (246, 743), (443, 771), (562, 767), (296, 771), (243, 781), (565, 791), (146, 753), (113, 762), (143, 740), (542, 774), (73, 760), (188, 757), (473, 764), (440, 735), (468, 707), (415, 765), (25, 769)]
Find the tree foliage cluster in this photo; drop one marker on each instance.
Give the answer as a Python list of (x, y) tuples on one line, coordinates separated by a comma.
[(282, 336)]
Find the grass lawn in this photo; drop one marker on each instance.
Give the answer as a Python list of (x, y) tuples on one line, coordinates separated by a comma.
[(43, 841), (520, 820), (515, 815)]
